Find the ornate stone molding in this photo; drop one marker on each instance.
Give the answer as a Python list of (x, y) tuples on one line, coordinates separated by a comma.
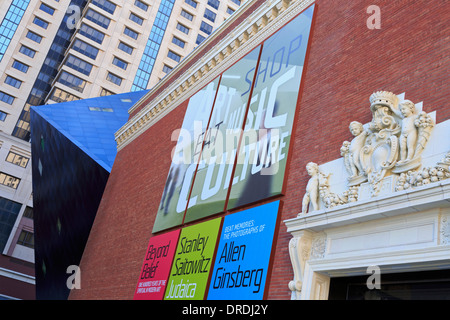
[(384, 156), (264, 21), (444, 229), (299, 251), (318, 246)]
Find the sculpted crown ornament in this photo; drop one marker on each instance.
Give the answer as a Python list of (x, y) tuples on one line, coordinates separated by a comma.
[(385, 98), (389, 147)]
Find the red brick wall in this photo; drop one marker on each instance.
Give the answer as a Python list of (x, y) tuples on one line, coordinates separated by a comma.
[(346, 63)]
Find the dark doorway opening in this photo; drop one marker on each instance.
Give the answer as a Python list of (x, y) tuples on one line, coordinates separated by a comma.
[(424, 285)]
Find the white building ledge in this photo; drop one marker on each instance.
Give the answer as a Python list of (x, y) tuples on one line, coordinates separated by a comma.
[(434, 195)]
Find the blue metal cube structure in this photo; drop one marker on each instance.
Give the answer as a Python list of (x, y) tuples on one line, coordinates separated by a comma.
[(73, 151)]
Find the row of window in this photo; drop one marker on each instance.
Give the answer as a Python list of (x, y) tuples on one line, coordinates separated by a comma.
[(152, 47), (110, 7), (10, 22), (204, 26), (22, 67), (19, 160)]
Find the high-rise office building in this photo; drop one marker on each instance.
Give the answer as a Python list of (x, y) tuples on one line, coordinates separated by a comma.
[(55, 51)]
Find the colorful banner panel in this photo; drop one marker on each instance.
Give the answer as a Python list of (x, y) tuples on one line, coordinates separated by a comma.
[(156, 267), (185, 158), (261, 163), (243, 255), (212, 180), (252, 103), (192, 261)]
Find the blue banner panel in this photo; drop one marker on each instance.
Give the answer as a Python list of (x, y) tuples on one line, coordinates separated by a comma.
[(243, 254)]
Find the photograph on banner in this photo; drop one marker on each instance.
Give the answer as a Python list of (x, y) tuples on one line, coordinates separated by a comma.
[(261, 163), (185, 158), (243, 254), (212, 180), (193, 261), (156, 266)]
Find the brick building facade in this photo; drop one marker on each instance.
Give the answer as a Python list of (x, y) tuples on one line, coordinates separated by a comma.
[(345, 63)]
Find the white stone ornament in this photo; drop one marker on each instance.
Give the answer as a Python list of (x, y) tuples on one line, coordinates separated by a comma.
[(390, 146)]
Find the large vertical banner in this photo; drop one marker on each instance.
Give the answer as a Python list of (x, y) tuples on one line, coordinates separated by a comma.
[(261, 164), (234, 142), (212, 180), (243, 254), (193, 261), (185, 158), (156, 267)]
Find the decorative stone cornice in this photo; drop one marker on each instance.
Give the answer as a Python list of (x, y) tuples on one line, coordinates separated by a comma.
[(434, 195), (268, 18)]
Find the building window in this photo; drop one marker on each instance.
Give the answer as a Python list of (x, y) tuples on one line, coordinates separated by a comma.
[(200, 39), (91, 33), (79, 65), (2, 114), (214, 3), (105, 5), (131, 33), (33, 36), (120, 63), (182, 28), (85, 48), (206, 28), (17, 159), (59, 95), (72, 81), (125, 48), (172, 55), (167, 69), (16, 83), (26, 239), (230, 11), (105, 92), (187, 15), (114, 79), (20, 66), (6, 98), (141, 5), (238, 2), (47, 9), (211, 16), (28, 213), (101, 109), (9, 181), (9, 210), (27, 51), (98, 18), (136, 19), (41, 23), (192, 3), (178, 42)]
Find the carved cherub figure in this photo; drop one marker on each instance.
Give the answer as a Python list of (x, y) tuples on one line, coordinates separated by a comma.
[(312, 188), (351, 150), (408, 135)]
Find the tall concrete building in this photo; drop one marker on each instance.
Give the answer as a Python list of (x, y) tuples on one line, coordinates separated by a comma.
[(57, 51)]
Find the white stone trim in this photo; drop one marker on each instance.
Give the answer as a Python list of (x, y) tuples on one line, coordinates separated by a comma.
[(17, 276), (398, 203), (404, 231)]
